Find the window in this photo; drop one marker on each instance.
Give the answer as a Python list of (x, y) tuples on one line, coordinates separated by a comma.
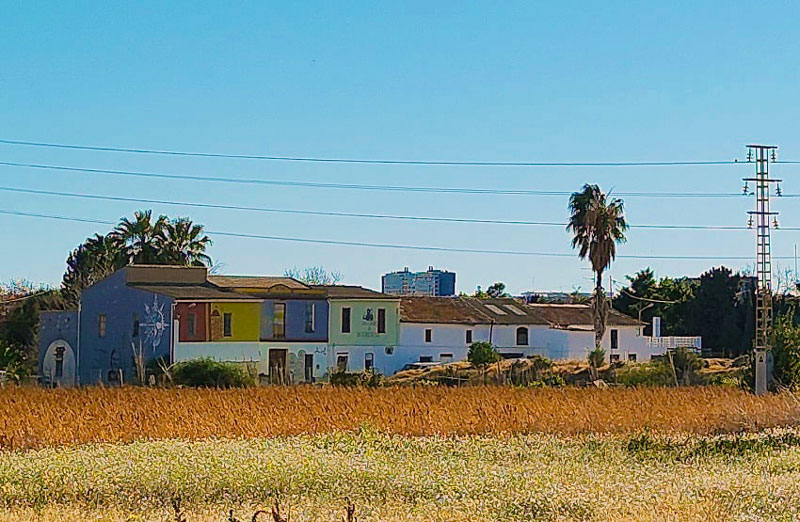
[(614, 357), (279, 320), (381, 320), (101, 325), (369, 362), (632, 357), (227, 327), (345, 320), (614, 339), (426, 358), (341, 362), (309, 317), (135, 325), (191, 326), (522, 336), (469, 337), (446, 357), (428, 335)]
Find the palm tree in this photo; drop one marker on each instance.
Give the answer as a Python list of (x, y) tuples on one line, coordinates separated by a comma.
[(96, 258), (597, 224), (185, 243), (141, 238)]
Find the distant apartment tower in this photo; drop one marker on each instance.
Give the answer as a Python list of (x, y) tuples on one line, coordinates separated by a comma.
[(433, 282)]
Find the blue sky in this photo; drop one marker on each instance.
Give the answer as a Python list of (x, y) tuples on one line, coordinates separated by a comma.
[(517, 81)]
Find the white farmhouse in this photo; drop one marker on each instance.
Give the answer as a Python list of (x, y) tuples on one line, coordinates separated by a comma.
[(440, 329)]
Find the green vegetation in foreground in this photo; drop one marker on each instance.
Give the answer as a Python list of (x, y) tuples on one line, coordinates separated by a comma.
[(392, 478)]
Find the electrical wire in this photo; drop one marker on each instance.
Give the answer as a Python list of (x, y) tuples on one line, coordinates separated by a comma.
[(346, 214), (359, 186), (368, 161), (395, 246)]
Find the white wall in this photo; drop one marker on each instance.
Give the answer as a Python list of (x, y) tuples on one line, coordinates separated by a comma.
[(258, 353)]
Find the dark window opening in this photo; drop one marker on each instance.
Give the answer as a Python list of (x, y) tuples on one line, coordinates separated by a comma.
[(428, 335), (522, 336), (369, 361), (632, 357), (614, 357), (426, 358), (614, 339), (341, 362), (469, 337), (136, 325), (279, 320), (345, 320), (191, 326), (227, 327), (381, 320)]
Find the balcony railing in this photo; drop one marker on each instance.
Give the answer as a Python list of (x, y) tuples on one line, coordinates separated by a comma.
[(670, 343)]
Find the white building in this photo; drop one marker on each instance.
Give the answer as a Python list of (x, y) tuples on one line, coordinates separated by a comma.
[(440, 329)]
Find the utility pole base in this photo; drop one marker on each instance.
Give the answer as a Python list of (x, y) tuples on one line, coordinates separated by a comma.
[(760, 371)]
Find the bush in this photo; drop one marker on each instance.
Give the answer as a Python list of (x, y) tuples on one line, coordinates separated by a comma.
[(786, 351), (368, 379), (687, 364), (654, 373), (596, 357), (482, 353), (208, 373)]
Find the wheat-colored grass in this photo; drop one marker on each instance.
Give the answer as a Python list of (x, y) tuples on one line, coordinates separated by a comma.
[(392, 478), (35, 418)]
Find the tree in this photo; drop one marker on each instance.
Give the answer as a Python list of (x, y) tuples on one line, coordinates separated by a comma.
[(184, 243), (598, 225), (482, 354), (314, 275), (142, 240), (497, 290), (786, 351)]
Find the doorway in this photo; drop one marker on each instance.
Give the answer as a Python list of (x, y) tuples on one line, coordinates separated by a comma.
[(277, 366), (308, 374)]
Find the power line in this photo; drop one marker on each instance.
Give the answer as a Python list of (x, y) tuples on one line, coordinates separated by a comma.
[(348, 214), (397, 246), (359, 186), (370, 161)]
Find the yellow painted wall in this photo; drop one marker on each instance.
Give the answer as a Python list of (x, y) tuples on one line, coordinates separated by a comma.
[(245, 321)]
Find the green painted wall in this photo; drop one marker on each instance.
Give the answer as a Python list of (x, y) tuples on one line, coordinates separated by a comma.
[(245, 321), (363, 324)]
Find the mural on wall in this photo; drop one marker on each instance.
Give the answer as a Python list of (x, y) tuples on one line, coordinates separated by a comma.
[(155, 323), (368, 324)]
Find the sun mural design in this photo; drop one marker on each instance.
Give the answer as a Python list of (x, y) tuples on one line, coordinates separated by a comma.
[(155, 323)]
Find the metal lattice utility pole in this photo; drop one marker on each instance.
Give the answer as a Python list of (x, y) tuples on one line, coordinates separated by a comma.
[(761, 218)]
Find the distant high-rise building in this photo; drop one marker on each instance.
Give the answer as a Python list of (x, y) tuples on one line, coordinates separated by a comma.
[(433, 282)]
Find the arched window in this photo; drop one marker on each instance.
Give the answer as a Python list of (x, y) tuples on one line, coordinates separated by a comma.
[(522, 336)]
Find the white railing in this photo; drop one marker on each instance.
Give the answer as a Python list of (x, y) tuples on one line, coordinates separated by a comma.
[(670, 343)]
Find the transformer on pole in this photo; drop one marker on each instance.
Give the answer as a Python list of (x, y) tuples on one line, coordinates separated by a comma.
[(760, 217)]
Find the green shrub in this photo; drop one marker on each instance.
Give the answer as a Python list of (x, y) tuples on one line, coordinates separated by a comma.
[(654, 373), (368, 379), (786, 351), (208, 373), (482, 353), (687, 364), (596, 357)]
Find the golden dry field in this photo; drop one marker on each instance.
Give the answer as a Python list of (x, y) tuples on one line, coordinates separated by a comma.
[(400, 454), (35, 417)]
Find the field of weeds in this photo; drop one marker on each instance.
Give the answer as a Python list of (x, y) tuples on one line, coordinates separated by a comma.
[(35, 418), (392, 478)]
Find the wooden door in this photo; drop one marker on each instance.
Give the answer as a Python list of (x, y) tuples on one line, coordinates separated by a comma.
[(277, 366)]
